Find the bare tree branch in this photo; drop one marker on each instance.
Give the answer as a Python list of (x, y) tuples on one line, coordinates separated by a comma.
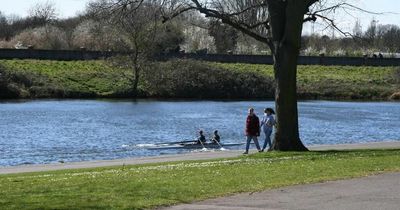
[(230, 18)]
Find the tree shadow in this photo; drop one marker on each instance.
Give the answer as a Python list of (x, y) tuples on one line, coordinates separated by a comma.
[(347, 151)]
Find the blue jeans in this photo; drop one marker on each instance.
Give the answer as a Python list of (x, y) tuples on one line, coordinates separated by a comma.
[(249, 138), (267, 139)]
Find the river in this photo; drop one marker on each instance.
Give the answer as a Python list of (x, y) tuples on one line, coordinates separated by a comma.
[(51, 131)]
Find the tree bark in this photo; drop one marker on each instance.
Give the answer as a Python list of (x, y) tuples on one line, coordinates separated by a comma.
[(136, 67), (136, 72), (287, 130), (286, 18), (136, 83)]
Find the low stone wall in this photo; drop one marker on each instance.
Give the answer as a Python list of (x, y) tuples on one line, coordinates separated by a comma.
[(254, 59)]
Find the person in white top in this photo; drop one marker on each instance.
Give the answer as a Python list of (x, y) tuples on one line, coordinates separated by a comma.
[(267, 125)]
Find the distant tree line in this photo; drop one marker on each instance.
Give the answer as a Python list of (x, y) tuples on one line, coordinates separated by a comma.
[(191, 32), (377, 40), (42, 29), (94, 30)]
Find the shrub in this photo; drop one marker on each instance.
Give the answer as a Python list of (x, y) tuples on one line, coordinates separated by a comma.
[(195, 79), (46, 92), (46, 37), (10, 88), (396, 74), (395, 96)]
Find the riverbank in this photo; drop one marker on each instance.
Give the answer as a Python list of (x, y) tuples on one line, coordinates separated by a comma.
[(160, 184), (203, 80), (198, 156)]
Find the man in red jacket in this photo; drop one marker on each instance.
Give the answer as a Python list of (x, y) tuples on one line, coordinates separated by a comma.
[(252, 130)]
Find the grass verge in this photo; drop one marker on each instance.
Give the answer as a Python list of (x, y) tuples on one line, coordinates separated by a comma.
[(152, 185)]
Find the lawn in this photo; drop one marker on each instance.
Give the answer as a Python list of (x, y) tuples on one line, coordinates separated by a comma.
[(152, 185)]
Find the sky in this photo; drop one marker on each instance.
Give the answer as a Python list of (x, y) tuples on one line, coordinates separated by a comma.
[(389, 9), (65, 8), (68, 8)]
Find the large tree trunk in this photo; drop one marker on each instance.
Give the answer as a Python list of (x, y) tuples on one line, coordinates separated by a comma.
[(287, 131), (286, 19)]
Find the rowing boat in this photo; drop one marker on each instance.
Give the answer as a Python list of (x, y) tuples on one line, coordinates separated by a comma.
[(192, 145)]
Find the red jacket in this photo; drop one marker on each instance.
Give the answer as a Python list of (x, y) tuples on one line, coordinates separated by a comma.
[(252, 126)]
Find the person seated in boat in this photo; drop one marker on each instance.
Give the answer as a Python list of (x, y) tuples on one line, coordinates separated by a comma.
[(216, 138), (202, 138)]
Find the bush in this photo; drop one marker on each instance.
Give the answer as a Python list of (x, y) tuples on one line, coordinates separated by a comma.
[(25, 84), (5, 91), (45, 37), (396, 75), (46, 92), (395, 96), (9, 88), (195, 79)]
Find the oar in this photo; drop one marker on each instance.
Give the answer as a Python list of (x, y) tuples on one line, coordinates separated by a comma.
[(222, 148), (204, 148)]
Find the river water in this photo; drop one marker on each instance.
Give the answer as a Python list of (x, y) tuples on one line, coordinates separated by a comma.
[(50, 131)]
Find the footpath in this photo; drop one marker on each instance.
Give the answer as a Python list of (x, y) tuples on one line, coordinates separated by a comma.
[(380, 192), (206, 155)]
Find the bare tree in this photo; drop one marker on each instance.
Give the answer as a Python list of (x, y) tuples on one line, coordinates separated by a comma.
[(141, 33), (277, 23), (225, 37), (43, 13), (134, 28)]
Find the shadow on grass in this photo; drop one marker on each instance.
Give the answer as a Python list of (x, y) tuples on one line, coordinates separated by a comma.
[(356, 151), (362, 152)]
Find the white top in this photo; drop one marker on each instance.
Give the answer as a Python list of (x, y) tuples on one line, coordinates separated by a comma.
[(268, 122)]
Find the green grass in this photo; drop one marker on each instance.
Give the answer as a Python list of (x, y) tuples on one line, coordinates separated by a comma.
[(86, 77), (98, 79), (351, 82), (148, 186)]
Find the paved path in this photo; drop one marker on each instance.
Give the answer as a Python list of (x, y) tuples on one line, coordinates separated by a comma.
[(119, 162), (380, 192), (168, 158)]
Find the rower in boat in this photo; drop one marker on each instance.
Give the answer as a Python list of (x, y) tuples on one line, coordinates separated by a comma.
[(216, 138), (199, 143), (202, 138)]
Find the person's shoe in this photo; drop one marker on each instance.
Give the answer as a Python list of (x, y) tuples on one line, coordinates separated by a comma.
[(245, 153), (261, 150)]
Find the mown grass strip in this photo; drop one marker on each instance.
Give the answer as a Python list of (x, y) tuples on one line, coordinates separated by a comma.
[(147, 186)]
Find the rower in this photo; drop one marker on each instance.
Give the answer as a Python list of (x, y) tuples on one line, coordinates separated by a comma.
[(216, 138), (202, 138)]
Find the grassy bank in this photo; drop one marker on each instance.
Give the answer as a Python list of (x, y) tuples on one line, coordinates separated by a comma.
[(147, 186), (336, 82), (37, 78), (190, 79)]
